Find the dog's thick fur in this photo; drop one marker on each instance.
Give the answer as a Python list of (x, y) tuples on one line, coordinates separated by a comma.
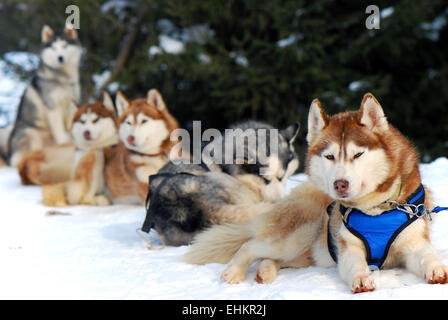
[(376, 160), (44, 112), (145, 126), (52, 164), (186, 198), (94, 131)]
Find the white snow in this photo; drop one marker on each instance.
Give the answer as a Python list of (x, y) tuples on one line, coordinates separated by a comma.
[(240, 58), (153, 51), (171, 45), (11, 86), (357, 85), (94, 253), (386, 12), (291, 39)]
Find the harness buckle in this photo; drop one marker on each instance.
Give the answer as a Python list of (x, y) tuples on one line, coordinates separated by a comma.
[(415, 210)]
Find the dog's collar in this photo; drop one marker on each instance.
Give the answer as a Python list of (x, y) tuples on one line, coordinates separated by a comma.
[(146, 154), (384, 206), (102, 147), (416, 198)]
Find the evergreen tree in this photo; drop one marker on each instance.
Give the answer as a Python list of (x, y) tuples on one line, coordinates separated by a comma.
[(221, 61)]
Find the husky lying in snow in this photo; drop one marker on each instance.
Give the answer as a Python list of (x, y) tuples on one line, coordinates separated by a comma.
[(44, 112), (94, 132), (145, 126), (185, 198), (369, 173)]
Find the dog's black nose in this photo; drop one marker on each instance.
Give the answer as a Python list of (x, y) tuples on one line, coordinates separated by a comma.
[(61, 59)]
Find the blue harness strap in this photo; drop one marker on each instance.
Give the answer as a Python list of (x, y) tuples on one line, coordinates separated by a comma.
[(378, 232)]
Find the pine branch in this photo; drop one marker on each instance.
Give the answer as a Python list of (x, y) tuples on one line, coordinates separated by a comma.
[(126, 49)]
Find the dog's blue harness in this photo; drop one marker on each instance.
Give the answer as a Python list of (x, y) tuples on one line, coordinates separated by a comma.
[(379, 232)]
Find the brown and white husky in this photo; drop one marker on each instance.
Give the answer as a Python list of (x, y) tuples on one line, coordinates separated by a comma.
[(145, 126), (94, 132), (358, 163)]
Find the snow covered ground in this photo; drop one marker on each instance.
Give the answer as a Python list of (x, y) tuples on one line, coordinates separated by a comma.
[(94, 253)]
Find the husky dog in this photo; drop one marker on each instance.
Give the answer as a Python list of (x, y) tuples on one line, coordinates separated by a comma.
[(369, 173), (44, 113), (185, 198), (145, 126), (54, 164), (94, 131)]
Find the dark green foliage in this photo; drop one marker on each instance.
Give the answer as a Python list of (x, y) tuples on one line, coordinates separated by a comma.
[(404, 63)]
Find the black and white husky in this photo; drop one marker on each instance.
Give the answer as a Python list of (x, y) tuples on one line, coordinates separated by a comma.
[(44, 112), (185, 198)]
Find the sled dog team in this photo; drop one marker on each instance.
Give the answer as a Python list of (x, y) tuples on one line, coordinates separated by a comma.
[(364, 204)]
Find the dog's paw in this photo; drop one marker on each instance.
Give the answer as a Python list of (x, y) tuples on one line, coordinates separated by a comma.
[(232, 275), (363, 283), (102, 200), (437, 274), (266, 272)]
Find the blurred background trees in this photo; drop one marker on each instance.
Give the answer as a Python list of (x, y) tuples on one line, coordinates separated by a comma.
[(221, 61)]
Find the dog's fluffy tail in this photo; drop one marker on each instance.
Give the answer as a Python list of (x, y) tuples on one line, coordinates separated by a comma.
[(35, 169), (217, 244)]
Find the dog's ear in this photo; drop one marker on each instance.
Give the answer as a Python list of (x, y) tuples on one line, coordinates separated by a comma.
[(372, 114), (107, 102), (290, 133), (70, 32), (155, 98), (46, 33), (121, 102), (317, 121)]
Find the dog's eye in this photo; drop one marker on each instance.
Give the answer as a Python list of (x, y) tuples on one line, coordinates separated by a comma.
[(128, 123), (356, 156), (330, 157), (144, 121), (96, 120), (82, 121)]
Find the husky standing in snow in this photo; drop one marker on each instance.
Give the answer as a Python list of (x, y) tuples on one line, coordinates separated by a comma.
[(379, 214), (44, 112), (94, 132), (186, 198)]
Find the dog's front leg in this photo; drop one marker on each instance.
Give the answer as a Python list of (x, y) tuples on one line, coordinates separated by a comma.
[(421, 259), (352, 264), (57, 127)]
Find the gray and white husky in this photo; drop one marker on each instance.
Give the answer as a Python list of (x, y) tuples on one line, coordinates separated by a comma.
[(44, 113), (184, 199)]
